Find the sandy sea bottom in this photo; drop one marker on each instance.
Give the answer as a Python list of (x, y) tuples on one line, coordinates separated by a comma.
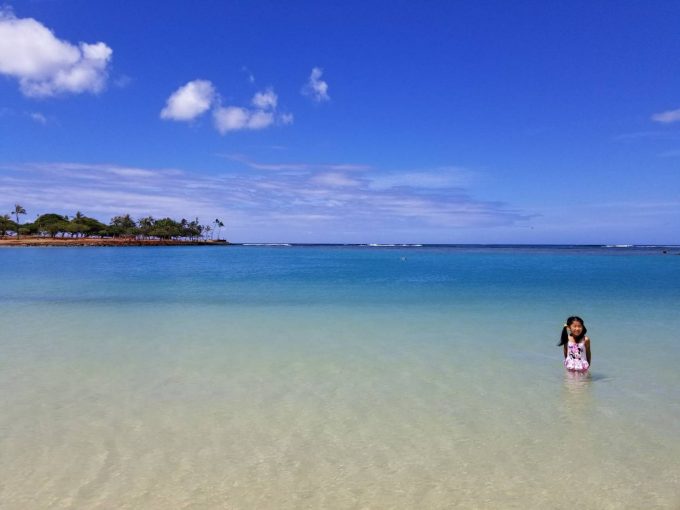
[(319, 408), (333, 405)]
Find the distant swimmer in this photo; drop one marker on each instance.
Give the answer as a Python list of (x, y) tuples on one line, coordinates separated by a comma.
[(576, 345)]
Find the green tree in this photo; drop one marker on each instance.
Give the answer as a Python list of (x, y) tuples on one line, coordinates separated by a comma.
[(145, 225), (93, 227), (75, 226), (27, 229), (166, 228), (123, 226), (52, 224), (6, 224), (75, 229), (193, 229), (81, 225)]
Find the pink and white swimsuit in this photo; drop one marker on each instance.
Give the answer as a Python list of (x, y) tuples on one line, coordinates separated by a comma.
[(576, 356)]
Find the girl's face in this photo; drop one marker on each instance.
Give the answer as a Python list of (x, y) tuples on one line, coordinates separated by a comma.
[(576, 328)]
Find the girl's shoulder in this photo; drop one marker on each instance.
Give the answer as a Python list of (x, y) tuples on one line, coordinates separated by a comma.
[(586, 339)]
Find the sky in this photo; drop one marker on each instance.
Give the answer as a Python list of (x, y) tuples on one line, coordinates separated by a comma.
[(349, 122)]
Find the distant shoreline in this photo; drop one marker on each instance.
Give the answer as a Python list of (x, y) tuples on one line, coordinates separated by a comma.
[(39, 241), (103, 241)]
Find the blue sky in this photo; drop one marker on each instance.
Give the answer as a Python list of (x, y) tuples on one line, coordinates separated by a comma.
[(417, 122)]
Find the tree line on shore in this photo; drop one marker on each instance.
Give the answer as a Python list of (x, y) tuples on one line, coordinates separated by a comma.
[(79, 225)]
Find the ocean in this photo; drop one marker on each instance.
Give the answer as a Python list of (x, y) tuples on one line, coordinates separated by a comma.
[(337, 377)]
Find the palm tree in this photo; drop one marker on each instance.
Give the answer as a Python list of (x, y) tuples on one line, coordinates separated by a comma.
[(17, 211), (219, 226), (76, 226), (145, 225)]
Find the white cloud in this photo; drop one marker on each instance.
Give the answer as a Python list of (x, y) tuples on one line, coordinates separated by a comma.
[(189, 101), (265, 100), (198, 96), (45, 65), (230, 118), (316, 88), (260, 120), (236, 118), (667, 117)]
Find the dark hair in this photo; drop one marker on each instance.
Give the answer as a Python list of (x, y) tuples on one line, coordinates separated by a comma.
[(565, 334)]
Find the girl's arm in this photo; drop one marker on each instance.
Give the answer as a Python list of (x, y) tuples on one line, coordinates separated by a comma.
[(588, 350)]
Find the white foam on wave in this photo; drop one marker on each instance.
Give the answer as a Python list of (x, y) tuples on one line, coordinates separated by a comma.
[(266, 244)]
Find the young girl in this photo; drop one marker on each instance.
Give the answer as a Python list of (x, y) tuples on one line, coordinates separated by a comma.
[(576, 345)]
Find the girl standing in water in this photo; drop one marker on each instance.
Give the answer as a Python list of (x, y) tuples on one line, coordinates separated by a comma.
[(576, 345)]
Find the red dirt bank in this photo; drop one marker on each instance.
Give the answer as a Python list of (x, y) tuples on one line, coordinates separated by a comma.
[(100, 241)]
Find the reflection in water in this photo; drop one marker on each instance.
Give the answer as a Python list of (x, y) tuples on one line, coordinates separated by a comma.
[(577, 395)]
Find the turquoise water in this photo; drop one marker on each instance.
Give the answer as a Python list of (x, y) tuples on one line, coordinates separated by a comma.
[(336, 377)]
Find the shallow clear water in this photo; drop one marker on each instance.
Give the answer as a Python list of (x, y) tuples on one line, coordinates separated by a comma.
[(331, 377)]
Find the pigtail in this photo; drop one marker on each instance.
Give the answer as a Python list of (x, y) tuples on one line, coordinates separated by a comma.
[(565, 336)]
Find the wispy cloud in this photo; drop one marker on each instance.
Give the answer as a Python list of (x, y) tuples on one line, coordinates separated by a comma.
[(45, 65), (344, 167), (38, 117), (437, 178), (98, 188), (335, 180), (249, 74), (316, 88), (317, 198), (648, 205), (647, 135), (123, 81), (667, 117)]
